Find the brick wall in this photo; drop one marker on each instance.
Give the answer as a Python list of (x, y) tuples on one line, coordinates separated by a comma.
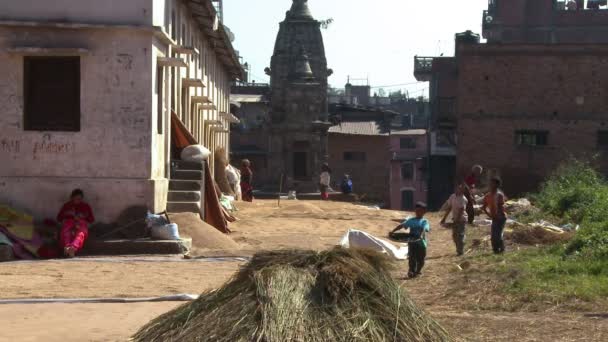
[(370, 177), (562, 90)]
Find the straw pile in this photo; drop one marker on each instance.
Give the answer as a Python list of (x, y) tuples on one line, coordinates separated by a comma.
[(534, 235), (337, 295)]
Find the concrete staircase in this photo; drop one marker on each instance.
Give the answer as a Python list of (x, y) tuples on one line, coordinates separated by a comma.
[(185, 187)]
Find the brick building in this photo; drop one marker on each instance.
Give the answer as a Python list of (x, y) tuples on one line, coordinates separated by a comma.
[(523, 109), (530, 97), (359, 146), (409, 166)]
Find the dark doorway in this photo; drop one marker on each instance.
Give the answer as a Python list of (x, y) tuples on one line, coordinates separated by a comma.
[(441, 180), (300, 165), (407, 200)]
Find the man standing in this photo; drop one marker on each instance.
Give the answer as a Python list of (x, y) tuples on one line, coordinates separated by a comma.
[(472, 183), (494, 207), (457, 205), (417, 244)]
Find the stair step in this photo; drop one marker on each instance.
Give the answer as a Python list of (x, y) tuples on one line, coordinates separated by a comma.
[(136, 247), (187, 175), (184, 196), (183, 207), (184, 185), (186, 165)]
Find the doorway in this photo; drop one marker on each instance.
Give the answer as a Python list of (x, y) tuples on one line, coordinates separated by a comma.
[(407, 200), (300, 165)]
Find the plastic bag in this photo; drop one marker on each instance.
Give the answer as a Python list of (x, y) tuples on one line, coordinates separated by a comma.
[(166, 232)]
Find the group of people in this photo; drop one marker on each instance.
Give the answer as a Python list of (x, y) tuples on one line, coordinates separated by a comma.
[(346, 185), (461, 206)]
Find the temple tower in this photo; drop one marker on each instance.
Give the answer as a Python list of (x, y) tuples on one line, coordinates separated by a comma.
[(298, 100)]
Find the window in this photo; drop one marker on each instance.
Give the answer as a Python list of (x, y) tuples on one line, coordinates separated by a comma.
[(407, 143), (602, 139), (407, 170), (51, 94), (531, 138), (354, 156)]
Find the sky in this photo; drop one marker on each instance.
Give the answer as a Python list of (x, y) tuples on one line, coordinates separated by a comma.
[(375, 39)]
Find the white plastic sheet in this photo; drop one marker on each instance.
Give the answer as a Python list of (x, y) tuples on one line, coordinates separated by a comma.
[(360, 239)]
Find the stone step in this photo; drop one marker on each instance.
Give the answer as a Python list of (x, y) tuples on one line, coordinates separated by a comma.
[(183, 207), (184, 185), (184, 196), (186, 165), (187, 175), (136, 247)]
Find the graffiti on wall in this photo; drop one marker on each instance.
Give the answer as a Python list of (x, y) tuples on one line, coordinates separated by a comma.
[(10, 146), (48, 147)]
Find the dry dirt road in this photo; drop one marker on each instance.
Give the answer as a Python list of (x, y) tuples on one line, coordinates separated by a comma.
[(302, 224)]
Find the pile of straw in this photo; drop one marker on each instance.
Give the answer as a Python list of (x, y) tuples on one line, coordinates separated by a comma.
[(534, 235), (337, 295)]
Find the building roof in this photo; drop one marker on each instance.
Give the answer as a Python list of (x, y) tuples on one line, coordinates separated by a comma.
[(360, 128), (408, 132)]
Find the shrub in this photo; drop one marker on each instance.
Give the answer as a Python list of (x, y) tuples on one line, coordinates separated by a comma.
[(577, 193)]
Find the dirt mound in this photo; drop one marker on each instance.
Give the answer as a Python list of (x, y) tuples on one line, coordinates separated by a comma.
[(203, 235)]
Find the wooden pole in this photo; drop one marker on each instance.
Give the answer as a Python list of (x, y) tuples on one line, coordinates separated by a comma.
[(280, 190)]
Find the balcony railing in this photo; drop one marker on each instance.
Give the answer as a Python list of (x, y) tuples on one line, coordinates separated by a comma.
[(423, 67)]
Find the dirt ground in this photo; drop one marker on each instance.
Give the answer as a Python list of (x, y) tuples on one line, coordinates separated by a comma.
[(261, 225)]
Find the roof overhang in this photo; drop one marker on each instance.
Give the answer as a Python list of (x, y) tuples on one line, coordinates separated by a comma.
[(207, 17)]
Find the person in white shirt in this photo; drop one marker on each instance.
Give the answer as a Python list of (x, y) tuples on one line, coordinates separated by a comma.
[(456, 205), (324, 181)]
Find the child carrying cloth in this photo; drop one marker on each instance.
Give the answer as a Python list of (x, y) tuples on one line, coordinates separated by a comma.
[(75, 217), (417, 243)]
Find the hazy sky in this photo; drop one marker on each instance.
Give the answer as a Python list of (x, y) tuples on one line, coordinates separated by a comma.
[(369, 38)]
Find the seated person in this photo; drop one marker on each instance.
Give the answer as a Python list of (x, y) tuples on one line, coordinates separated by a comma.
[(347, 185), (75, 217)]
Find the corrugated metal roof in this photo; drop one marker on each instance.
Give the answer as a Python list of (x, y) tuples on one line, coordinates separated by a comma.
[(246, 98), (359, 128), (408, 132)]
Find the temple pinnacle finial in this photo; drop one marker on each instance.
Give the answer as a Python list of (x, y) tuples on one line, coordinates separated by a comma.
[(299, 10)]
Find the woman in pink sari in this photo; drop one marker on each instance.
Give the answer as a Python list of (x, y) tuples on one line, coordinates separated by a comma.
[(75, 217)]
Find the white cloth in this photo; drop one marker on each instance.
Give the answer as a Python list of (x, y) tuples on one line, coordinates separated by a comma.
[(458, 203), (325, 178), (360, 239)]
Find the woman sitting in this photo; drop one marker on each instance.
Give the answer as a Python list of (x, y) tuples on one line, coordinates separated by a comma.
[(75, 217)]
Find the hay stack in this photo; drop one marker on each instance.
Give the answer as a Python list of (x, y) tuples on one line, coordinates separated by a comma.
[(337, 295), (534, 235)]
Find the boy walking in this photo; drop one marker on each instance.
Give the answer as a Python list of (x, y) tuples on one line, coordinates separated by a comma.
[(457, 205), (494, 207), (417, 244)]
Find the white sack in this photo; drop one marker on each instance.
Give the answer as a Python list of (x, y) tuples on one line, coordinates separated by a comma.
[(195, 153), (360, 239)]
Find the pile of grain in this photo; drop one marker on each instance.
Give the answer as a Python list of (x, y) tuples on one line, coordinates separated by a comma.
[(203, 236)]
